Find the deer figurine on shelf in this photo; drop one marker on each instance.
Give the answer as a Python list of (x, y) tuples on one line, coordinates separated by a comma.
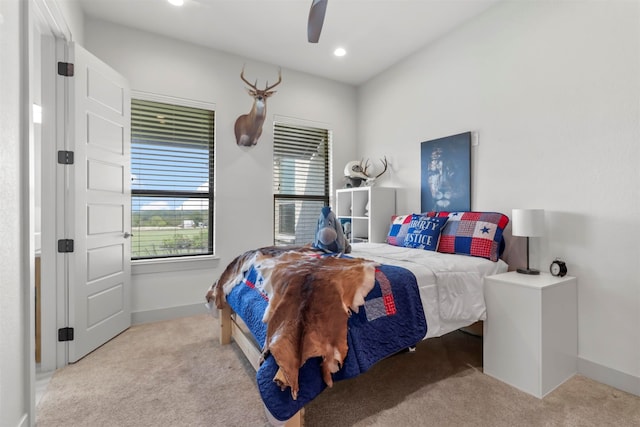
[(248, 127)]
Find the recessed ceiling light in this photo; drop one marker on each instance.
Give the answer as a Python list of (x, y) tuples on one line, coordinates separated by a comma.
[(340, 52), (176, 2)]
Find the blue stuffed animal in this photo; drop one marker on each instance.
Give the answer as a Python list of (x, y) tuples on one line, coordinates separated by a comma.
[(329, 233)]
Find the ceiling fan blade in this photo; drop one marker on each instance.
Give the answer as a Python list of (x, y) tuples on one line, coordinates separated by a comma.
[(316, 19)]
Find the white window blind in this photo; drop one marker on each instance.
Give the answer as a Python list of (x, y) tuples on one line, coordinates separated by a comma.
[(172, 158), (301, 181)]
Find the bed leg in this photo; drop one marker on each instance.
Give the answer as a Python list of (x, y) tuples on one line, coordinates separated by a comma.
[(297, 420), (224, 316)]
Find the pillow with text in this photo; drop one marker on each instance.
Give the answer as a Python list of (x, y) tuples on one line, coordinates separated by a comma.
[(424, 232)]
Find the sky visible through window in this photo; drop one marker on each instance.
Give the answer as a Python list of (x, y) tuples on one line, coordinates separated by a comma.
[(169, 168)]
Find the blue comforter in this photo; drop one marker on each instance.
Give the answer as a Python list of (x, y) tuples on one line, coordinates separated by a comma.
[(391, 320)]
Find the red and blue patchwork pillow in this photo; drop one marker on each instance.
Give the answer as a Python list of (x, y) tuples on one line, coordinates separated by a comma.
[(472, 233), (424, 232), (398, 229)]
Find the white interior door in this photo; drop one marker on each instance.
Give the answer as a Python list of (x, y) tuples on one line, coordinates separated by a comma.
[(99, 203)]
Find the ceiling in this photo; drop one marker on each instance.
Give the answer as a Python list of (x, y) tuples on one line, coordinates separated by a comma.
[(375, 33)]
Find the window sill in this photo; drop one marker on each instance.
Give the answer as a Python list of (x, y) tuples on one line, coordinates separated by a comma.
[(166, 265)]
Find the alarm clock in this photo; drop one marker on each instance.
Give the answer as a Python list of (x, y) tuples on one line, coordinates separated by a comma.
[(558, 268)]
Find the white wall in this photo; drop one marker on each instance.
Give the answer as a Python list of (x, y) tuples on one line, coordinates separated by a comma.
[(553, 90), (16, 330), (244, 179)]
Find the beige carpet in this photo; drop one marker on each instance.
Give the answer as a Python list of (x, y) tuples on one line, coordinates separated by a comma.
[(175, 373)]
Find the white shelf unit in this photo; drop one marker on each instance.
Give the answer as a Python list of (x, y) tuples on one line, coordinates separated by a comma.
[(369, 210), (530, 338)]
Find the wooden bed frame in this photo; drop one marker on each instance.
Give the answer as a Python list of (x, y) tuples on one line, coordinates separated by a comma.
[(231, 328)]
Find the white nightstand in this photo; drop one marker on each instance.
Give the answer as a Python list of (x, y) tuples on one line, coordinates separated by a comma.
[(531, 332)]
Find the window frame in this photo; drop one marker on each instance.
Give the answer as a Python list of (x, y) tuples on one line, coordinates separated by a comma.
[(328, 168), (187, 261)]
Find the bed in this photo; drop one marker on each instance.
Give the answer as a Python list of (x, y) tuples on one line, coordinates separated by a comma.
[(413, 294)]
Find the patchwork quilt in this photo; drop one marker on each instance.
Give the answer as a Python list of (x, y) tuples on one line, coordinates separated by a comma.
[(391, 320)]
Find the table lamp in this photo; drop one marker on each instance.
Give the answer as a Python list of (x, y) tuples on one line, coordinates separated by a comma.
[(527, 223)]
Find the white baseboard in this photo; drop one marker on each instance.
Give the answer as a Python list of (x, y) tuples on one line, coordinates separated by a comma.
[(609, 376), (169, 313)]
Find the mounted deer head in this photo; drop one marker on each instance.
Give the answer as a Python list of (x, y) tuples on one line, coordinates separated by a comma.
[(248, 127)]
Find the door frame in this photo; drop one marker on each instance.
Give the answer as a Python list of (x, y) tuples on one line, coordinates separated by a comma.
[(48, 22)]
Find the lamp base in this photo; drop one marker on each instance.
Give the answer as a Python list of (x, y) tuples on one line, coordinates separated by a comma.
[(531, 271)]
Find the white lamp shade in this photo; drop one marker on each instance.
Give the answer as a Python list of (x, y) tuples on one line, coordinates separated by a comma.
[(527, 222)]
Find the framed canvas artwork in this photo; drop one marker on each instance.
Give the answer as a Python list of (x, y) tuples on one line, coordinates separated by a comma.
[(446, 173)]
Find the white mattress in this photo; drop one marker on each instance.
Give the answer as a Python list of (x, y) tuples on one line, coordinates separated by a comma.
[(451, 286)]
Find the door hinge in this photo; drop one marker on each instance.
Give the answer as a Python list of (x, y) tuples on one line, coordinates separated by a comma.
[(65, 334), (65, 245), (65, 69), (65, 157)]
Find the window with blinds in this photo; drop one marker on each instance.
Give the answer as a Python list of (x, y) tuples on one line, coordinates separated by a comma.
[(172, 158), (301, 181)]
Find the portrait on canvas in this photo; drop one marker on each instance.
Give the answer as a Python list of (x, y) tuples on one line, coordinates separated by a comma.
[(446, 173)]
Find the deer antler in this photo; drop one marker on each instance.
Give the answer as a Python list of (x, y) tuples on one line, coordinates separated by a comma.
[(366, 165), (267, 87), (277, 83), (385, 163), (253, 86)]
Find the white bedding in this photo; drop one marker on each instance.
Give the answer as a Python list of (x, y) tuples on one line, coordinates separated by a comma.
[(451, 286)]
